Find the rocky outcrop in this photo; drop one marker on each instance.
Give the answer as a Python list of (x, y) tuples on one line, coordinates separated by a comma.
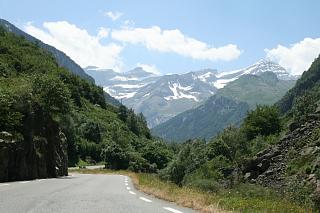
[(299, 148), (269, 166), (41, 152)]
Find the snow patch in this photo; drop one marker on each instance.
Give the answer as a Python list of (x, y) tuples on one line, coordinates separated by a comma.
[(204, 77), (123, 78), (129, 86), (177, 91), (123, 95), (220, 83), (146, 95)]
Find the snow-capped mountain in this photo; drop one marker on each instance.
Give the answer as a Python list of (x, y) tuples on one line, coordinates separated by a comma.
[(160, 98), (121, 85)]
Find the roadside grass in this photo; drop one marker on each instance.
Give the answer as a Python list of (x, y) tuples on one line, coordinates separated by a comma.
[(244, 198)]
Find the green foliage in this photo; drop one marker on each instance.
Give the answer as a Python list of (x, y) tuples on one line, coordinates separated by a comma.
[(308, 80), (51, 94), (209, 175), (91, 131), (123, 113), (9, 119), (115, 156), (305, 104), (190, 157), (157, 153), (264, 120)]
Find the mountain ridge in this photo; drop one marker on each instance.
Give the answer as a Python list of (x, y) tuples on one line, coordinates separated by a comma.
[(160, 98)]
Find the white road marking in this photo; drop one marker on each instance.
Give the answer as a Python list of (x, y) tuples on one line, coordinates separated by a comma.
[(131, 192), (145, 199), (24, 182), (126, 184), (128, 188), (5, 184), (172, 210), (39, 180)]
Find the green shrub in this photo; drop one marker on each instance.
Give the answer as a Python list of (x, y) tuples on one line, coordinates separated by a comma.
[(264, 120)]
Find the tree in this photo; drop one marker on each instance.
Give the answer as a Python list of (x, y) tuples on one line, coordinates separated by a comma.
[(123, 113), (51, 94), (115, 156), (10, 119), (305, 104), (264, 120), (91, 131)]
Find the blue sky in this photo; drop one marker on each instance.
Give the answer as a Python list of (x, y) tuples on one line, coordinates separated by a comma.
[(144, 33)]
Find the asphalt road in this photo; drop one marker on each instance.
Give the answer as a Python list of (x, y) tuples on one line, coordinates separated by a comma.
[(80, 193)]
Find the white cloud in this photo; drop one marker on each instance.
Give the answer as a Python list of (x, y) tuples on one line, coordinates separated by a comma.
[(128, 23), (77, 43), (155, 38), (149, 68), (103, 33), (298, 57), (113, 15)]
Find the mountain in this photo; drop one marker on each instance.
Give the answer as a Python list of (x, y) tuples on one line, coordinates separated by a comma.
[(160, 98), (62, 59), (121, 85), (51, 118), (227, 107), (263, 88), (164, 98)]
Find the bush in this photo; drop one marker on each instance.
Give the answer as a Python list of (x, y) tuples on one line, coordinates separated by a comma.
[(10, 120), (264, 120), (51, 94)]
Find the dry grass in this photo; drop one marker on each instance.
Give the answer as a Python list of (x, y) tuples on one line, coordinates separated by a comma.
[(149, 184), (242, 199), (192, 198)]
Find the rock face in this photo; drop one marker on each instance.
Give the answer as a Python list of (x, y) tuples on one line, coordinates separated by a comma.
[(40, 153)]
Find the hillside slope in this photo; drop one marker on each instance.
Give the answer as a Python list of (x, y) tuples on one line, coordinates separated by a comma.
[(204, 121), (51, 118), (263, 89), (62, 59)]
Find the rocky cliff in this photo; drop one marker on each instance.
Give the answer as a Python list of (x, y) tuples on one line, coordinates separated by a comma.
[(41, 151)]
